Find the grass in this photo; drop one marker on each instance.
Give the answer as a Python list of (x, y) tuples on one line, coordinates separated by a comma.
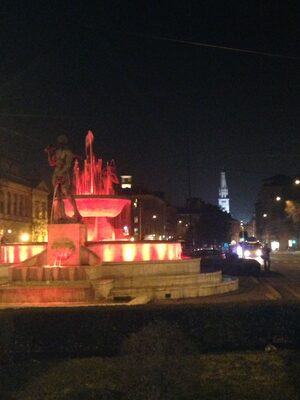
[(235, 376)]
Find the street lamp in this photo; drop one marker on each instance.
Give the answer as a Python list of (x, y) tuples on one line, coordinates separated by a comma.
[(154, 217), (24, 237), (278, 198)]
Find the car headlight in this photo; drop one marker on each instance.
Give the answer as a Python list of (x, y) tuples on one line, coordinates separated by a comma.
[(258, 253), (246, 253)]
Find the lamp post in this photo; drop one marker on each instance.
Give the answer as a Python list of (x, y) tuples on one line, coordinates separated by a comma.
[(265, 227), (154, 217)]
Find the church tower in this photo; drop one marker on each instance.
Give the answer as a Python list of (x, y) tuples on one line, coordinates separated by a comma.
[(223, 194)]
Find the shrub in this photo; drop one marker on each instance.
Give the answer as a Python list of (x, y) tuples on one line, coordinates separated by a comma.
[(158, 338), (102, 331), (6, 354), (6, 339), (154, 362)]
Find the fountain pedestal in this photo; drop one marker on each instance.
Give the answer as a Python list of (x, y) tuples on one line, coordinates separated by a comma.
[(64, 243)]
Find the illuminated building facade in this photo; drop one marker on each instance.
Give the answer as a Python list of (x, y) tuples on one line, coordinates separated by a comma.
[(23, 211)]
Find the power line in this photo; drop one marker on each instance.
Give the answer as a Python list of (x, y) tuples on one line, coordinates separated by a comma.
[(212, 46), (10, 131), (31, 116)]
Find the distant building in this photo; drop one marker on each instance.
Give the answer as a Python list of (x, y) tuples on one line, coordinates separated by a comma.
[(23, 207), (276, 212), (223, 194), (126, 181), (23, 211), (153, 218)]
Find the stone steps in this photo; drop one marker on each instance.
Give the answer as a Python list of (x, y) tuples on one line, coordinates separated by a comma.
[(176, 291), (167, 280)]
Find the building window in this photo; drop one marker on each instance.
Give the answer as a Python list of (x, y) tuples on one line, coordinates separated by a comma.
[(1, 202), (44, 210), (27, 207), (8, 203), (15, 204), (37, 209), (21, 205)]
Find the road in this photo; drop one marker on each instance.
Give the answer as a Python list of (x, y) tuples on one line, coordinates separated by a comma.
[(285, 275), (287, 264)]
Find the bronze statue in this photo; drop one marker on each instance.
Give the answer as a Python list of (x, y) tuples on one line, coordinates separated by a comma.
[(61, 158), (109, 178)]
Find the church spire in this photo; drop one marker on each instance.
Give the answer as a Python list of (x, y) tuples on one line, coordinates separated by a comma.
[(223, 193)]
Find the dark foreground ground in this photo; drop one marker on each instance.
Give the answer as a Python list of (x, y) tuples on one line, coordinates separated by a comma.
[(248, 375)]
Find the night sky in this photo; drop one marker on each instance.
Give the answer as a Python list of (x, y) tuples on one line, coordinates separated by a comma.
[(67, 67)]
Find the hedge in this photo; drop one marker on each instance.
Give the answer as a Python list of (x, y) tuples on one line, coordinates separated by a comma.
[(82, 331)]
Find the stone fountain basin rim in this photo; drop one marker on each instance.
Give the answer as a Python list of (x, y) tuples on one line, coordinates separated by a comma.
[(98, 205)]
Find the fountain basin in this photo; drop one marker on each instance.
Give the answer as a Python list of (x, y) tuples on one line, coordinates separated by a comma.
[(97, 206)]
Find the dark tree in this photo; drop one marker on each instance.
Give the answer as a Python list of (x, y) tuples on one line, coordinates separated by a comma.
[(209, 225)]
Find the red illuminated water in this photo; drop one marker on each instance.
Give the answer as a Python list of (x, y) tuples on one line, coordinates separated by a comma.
[(95, 178), (105, 214)]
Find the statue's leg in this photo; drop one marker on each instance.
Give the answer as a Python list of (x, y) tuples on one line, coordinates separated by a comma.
[(60, 204), (77, 215), (67, 192)]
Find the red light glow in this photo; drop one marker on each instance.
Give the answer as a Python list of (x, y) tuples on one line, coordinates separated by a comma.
[(104, 213), (137, 251), (108, 251), (19, 252), (93, 206)]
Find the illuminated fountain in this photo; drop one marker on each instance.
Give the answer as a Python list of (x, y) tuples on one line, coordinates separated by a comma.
[(96, 259), (104, 213)]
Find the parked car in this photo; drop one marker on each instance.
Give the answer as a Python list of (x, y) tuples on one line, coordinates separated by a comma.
[(241, 267), (211, 259)]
